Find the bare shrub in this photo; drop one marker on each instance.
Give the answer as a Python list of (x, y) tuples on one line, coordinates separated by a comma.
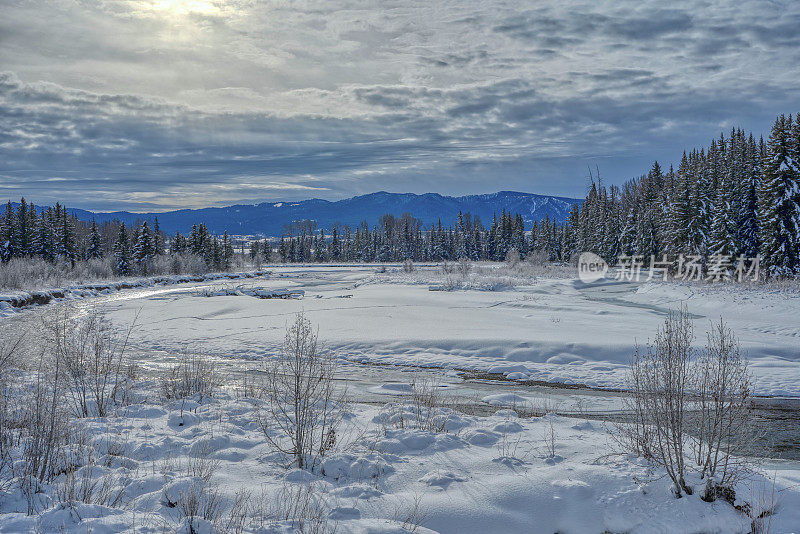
[(723, 427), (201, 500), (660, 381), (762, 507), (537, 407), (193, 375), (512, 257), (539, 258), (247, 386), (9, 345), (550, 439), (93, 357), (425, 411), (45, 430), (35, 424), (299, 505), (95, 269), (427, 404), (36, 273), (464, 266), (85, 480), (30, 273), (408, 266), (303, 407), (179, 264), (411, 514), (701, 405), (238, 514), (202, 462), (508, 446)]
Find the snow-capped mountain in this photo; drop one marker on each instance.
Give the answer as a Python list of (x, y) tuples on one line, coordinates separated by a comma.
[(269, 218)]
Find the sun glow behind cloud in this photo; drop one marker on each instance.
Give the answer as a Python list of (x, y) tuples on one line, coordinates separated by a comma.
[(185, 7)]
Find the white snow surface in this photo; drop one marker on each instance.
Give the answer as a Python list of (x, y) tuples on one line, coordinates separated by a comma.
[(487, 474), (553, 330)]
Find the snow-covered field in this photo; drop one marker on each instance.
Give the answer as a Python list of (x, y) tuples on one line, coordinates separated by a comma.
[(493, 472), (546, 329), (490, 474)]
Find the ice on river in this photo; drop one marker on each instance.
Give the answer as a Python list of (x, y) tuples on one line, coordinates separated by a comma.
[(555, 330)]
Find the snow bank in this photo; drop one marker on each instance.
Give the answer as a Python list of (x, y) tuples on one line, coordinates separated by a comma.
[(14, 301), (491, 474)]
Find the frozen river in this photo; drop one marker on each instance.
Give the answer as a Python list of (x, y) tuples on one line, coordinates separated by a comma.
[(553, 343)]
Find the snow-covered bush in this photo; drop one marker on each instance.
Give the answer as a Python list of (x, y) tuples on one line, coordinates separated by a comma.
[(512, 257), (199, 503), (193, 375), (26, 273), (179, 264), (300, 507), (426, 411), (723, 431), (762, 507), (539, 258), (303, 407), (660, 382), (686, 406), (85, 478), (36, 273), (8, 346), (93, 357), (44, 429)]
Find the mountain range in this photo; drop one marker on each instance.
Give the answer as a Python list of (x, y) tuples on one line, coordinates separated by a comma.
[(269, 218)]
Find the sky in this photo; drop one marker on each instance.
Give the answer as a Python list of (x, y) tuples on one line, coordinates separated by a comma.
[(153, 105)]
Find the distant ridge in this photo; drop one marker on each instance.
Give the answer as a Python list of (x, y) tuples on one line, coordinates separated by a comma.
[(269, 218)]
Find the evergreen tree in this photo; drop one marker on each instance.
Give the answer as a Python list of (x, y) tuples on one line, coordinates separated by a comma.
[(144, 248), (226, 253), (94, 248), (122, 264), (6, 233), (158, 238), (779, 200)]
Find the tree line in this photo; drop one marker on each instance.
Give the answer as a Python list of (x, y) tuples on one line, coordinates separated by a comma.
[(405, 238), (738, 197), (54, 235)]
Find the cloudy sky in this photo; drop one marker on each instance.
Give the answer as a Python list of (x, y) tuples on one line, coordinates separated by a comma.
[(152, 105)]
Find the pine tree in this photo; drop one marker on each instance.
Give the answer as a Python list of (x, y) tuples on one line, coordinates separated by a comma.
[(747, 213), (94, 248), (144, 248), (21, 231), (46, 235), (6, 233), (723, 231), (65, 236), (122, 253), (226, 252), (779, 200), (335, 248), (158, 239)]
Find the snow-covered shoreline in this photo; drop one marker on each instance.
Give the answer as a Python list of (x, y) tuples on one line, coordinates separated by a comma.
[(16, 300)]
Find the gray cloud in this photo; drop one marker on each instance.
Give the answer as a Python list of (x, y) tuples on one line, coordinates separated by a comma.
[(111, 104)]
